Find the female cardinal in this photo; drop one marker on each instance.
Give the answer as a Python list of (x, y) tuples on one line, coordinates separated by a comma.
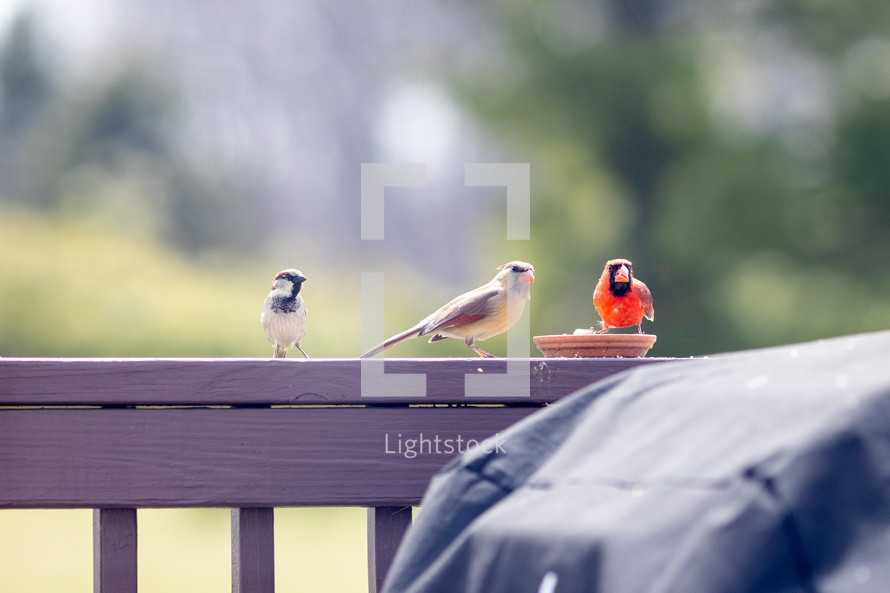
[(284, 314), (620, 299), (478, 314)]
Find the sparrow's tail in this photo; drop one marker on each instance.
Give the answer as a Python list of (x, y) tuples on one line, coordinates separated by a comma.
[(405, 335)]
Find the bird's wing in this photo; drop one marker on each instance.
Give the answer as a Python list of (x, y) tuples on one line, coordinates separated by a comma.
[(645, 299), (468, 307)]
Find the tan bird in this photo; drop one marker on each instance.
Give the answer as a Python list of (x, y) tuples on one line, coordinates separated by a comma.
[(475, 315)]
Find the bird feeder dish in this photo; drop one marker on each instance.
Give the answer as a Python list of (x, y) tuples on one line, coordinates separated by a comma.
[(584, 343)]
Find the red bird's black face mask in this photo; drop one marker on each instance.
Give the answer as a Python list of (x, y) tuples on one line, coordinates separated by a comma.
[(616, 287)]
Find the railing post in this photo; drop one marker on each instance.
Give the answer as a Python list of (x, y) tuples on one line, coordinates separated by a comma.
[(253, 550), (114, 551), (386, 527)]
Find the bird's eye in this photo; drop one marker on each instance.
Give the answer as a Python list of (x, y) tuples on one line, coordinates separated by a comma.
[(518, 269)]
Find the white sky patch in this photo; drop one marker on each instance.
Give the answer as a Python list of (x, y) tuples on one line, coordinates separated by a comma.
[(8, 10), (419, 124), (78, 26)]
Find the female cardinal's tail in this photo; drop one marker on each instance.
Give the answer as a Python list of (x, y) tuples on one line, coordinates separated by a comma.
[(405, 335)]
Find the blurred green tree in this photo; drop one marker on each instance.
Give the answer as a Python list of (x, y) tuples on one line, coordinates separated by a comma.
[(109, 143), (26, 85), (736, 153), (723, 151)]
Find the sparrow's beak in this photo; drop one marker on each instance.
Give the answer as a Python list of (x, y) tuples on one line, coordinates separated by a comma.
[(623, 274), (527, 277)]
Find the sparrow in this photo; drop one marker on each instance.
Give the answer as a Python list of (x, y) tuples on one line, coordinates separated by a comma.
[(620, 299), (479, 314), (284, 313)]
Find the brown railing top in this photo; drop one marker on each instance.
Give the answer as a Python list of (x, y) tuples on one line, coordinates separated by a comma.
[(232, 381), (124, 433)]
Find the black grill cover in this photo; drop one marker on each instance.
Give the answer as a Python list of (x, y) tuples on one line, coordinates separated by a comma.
[(760, 471)]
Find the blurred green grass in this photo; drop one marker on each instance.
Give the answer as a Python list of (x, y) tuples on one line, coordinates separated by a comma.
[(75, 287), (317, 550)]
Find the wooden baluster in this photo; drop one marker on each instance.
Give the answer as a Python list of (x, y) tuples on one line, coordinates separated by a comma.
[(253, 550), (386, 527), (114, 550)]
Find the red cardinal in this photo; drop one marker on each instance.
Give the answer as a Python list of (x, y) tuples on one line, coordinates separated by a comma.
[(620, 299)]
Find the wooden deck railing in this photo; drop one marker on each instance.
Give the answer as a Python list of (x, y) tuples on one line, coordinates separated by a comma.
[(246, 434)]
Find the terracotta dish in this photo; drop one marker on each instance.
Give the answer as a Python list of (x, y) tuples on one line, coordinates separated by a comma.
[(586, 344)]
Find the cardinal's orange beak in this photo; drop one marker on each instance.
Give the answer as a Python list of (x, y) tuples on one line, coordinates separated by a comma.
[(622, 275), (527, 276)]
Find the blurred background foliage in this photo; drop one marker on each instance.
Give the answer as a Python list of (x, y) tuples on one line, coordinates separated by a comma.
[(184, 550), (161, 160)]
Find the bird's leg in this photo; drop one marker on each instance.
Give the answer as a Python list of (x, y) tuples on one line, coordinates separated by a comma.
[(477, 350), (301, 350), (482, 352), (279, 352)]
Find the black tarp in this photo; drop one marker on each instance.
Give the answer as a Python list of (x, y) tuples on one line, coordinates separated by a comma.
[(765, 470)]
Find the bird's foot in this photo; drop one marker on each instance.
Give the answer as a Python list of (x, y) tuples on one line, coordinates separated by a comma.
[(482, 352)]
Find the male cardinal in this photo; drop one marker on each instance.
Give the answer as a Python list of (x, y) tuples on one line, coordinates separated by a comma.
[(284, 313), (478, 314), (620, 299)]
